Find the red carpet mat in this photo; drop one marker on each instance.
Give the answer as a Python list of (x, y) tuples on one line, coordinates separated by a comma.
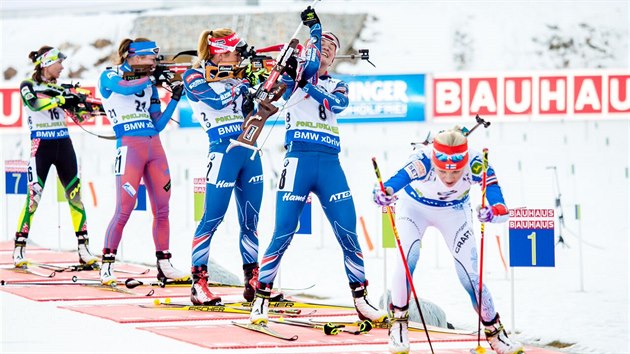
[(42, 256), (227, 336), (71, 293), (134, 313), (7, 246), (13, 276), (75, 292)]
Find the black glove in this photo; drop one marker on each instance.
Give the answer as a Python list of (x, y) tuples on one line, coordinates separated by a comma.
[(248, 104), (71, 100), (309, 17), (177, 88), (162, 74), (291, 67)]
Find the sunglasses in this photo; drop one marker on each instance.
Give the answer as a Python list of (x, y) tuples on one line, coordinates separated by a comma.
[(50, 57), (454, 157)]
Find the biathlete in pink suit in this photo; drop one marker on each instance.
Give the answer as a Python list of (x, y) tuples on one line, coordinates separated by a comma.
[(132, 105)]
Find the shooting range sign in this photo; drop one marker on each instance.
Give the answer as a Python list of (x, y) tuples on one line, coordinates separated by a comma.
[(15, 174), (532, 238)]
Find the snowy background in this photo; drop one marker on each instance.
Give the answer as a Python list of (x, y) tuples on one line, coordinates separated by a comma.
[(587, 310)]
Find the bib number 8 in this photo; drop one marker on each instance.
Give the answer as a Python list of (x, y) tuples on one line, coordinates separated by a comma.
[(322, 112)]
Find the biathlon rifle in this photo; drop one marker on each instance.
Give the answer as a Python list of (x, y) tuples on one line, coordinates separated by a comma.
[(270, 91)]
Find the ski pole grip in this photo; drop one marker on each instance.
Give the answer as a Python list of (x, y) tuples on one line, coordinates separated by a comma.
[(331, 330), (378, 175), (365, 326), (131, 283)]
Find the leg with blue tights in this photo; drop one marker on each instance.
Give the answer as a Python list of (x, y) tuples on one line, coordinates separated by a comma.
[(293, 189), (220, 181), (249, 191), (334, 194)]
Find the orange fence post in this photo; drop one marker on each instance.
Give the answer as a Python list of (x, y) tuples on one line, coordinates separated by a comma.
[(367, 236)]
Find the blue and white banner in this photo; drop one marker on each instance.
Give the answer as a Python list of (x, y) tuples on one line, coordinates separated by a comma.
[(373, 98), (384, 98)]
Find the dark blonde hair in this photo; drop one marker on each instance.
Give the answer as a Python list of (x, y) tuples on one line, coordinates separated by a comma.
[(451, 137), (123, 48), (203, 50), (37, 75)]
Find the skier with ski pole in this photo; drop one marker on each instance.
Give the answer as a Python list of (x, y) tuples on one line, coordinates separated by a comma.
[(132, 103), (432, 189), (217, 90), (47, 105), (312, 164)]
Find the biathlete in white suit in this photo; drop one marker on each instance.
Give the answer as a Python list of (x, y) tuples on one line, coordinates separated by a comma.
[(312, 164), (432, 189)]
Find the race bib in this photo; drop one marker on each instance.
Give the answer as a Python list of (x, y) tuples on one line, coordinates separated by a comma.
[(287, 176), (120, 161)]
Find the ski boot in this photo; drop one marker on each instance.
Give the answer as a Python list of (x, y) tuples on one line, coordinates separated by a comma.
[(251, 280), (365, 310), (107, 267), (165, 269), (19, 252), (399, 330), (86, 258), (199, 292), (260, 307), (498, 338)]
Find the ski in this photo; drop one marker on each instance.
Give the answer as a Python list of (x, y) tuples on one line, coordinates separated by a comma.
[(363, 326), (143, 272), (218, 308), (328, 327), (114, 288), (27, 270), (94, 283), (412, 326), (264, 329), (84, 267), (131, 283), (68, 268), (219, 284), (292, 304)]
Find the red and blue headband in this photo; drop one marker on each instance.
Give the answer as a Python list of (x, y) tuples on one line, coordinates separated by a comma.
[(449, 157)]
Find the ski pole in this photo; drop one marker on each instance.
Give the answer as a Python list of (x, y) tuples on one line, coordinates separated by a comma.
[(484, 186), (402, 253)]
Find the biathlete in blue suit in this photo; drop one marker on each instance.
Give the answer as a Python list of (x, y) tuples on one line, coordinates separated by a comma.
[(312, 164), (217, 98)]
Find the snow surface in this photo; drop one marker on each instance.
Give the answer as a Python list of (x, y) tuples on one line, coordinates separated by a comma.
[(549, 303)]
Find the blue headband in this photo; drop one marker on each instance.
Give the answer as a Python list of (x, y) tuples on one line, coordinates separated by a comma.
[(143, 48)]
